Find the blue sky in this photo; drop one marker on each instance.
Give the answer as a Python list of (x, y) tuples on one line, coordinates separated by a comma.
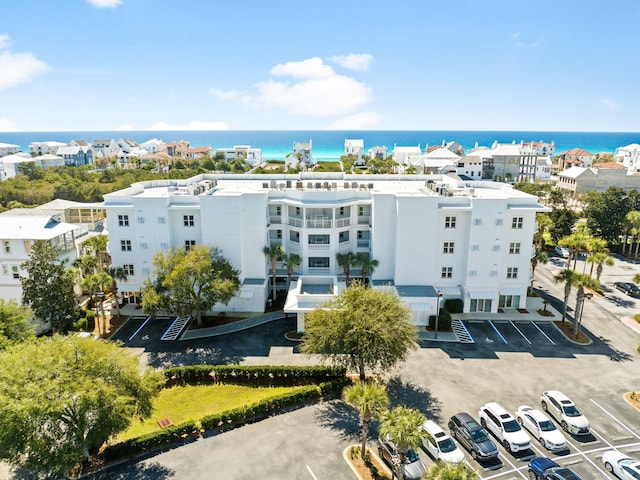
[(544, 65)]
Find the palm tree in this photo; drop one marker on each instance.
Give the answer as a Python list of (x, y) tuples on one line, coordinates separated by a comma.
[(633, 219), (402, 426), (450, 471), (600, 259), (346, 261), (593, 246), (626, 226), (98, 246), (581, 281), (96, 283), (576, 243), (370, 400), (273, 252), (539, 257), (566, 276), (544, 221), (116, 274), (367, 264), (86, 265), (290, 261)]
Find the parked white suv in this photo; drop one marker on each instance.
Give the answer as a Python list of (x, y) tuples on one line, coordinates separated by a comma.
[(562, 408), (439, 444), (501, 423)]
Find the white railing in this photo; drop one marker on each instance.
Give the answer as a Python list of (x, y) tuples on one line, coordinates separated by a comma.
[(319, 246), (362, 220), (295, 222), (343, 222), (318, 223)]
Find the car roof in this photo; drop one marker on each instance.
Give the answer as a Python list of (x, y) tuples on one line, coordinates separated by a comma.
[(558, 395), (498, 409), (537, 414), (543, 463), (433, 428)]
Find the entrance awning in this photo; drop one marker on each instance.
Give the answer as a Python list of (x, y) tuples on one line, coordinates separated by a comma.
[(513, 291), (450, 291), (480, 294)]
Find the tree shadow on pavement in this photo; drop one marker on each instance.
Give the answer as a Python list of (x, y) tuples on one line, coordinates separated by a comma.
[(342, 418), (137, 471), (412, 396)]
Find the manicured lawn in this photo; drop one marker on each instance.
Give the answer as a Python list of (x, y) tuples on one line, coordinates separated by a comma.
[(192, 402)]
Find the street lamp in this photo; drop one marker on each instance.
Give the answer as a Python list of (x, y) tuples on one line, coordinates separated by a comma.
[(438, 312)]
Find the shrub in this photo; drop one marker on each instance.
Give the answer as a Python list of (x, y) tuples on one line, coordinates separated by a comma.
[(91, 320), (454, 305), (80, 325), (444, 320)]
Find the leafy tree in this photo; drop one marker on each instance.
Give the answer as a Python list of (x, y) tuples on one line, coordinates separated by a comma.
[(63, 397), (370, 400), (48, 287), (581, 281), (605, 213), (273, 253), (563, 221), (346, 261), (290, 262), (362, 328), (190, 282), (402, 426), (15, 324), (449, 471), (566, 276)]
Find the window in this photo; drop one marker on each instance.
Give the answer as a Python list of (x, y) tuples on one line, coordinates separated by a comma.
[(125, 245), (514, 247), (448, 247), (361, 211), (15, 271), (189, 244), (143, 245), (294, 236), (343, 236), (341, 211), (127, 268), (278, 210), (449, 222), (447, 272), (164, 246), (477, 221), (318, 239), (512, 272), (188, 221), (475, 248), (140, 219), (160, 219), (516, 222), (5, 269), (297, 211), (498, 221), (318, 262), (472, 273), (7, 246), (496, 248), (123, 220), (279, 234)]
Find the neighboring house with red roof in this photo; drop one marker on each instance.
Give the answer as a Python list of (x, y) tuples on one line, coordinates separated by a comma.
[(197, 152), (576, 157), (598, 178)]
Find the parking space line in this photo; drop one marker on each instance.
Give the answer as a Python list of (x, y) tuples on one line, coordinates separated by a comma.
[(601, 437), (513, 469), (619, 422), (141, 327), (497, 331), (519, 331), (540, 330), (311, 472)]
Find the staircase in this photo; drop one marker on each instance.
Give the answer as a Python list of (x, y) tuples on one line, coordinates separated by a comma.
[(461, 332), (176, 328)]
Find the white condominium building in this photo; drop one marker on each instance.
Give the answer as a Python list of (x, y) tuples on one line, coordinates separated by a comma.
[(434, 237)]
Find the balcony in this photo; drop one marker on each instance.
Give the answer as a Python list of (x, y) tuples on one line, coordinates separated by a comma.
[(364, 220), (364, 243), (295, 222), (319, 246), (275, 242), (319, 222), (343, 222), (275, 219)]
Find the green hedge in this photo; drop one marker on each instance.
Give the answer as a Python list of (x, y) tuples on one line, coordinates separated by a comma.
[(444, 320), (454, 305), (253, 375), (237, 416)]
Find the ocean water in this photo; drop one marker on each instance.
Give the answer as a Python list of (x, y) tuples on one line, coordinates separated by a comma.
[(329, 144)]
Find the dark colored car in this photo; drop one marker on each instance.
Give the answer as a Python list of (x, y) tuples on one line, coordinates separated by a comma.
[(412, 466), (629, 288), (472, 436), (542, 468)]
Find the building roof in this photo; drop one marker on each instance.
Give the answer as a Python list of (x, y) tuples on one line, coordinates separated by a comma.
[(610, 165), (573, 172), (66, 150), (82, 143), (32, 227), (17, 158), (577, 152), (8, 145), (442, 153), (354, 143)]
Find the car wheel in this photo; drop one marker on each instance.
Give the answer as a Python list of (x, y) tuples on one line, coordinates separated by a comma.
[(533, 475), (609, 467), (506, 445), (544, 405), (543, 443), (565, 427), (474, 455), (483, 422)]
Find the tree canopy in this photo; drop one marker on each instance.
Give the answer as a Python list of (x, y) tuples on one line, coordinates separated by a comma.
[(15, 324), (63, 397), (361, 329), (48, 287), (190, 282), (605, 213)]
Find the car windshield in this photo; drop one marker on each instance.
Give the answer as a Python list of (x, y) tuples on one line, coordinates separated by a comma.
[(479, 435), (547, 426), (411, 456), (447, 445), (571, 411), (511, 426)]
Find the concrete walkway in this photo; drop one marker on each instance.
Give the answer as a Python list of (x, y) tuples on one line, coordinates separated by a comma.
[(233, 327)]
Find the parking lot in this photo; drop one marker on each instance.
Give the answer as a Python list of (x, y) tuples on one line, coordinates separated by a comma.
[(519, 334), (614, 424)]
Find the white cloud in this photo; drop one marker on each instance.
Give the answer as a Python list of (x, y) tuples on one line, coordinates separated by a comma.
[(17, 68), (105, 3), (195, 125), (224, 94), (359, 121), (315, 90), (610, 104), (7, 125), (306, 69), (127, 127), (353, 61)]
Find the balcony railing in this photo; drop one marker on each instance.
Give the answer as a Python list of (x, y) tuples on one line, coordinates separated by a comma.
[(364, 220), (319, 223), (275, 241), (363, 243), (343, 222), (319, 246), (275, 219), (295, 222)]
